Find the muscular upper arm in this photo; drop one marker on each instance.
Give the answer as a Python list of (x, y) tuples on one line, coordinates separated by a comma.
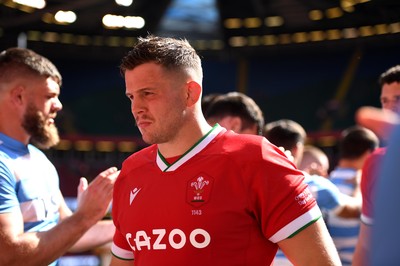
[(11, 226), (363, 246), (118, 262), (311, 246)]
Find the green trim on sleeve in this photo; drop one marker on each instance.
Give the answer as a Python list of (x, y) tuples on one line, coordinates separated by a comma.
[(121, 258), (305, 226)]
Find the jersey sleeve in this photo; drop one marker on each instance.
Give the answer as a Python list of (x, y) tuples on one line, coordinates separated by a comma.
[(282, 200), (120, 247), (327, 194), (8, 198), (368, 183)]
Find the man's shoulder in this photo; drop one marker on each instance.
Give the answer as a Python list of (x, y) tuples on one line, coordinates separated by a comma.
[(142, 155), (375, 157), (146, 150), (379, 152)]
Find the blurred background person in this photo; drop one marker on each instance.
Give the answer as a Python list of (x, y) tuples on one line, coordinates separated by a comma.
[(291, 136), (389, 82), (314, 161), (207, 100), (236, 111), (355, 145), (385, 232), (36, 225)]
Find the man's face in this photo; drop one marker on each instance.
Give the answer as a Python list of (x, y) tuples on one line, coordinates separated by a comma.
[(390, 96), (40, 112), (158, 102)]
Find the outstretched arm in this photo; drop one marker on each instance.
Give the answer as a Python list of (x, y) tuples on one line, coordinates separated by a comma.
[(41, 248), (99, 234), (381, 121), (351, 207)]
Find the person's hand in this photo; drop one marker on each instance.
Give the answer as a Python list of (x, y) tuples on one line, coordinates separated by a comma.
[(83, 184), (94, 198)]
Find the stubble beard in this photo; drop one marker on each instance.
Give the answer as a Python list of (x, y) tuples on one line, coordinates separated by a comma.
[(167, 132), (158, 137), (43, 135)]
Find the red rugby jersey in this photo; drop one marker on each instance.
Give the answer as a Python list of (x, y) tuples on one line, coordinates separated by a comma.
[(226, 201), (369, 179)]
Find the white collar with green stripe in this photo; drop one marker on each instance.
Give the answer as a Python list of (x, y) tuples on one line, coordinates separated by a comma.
[(195, 149)]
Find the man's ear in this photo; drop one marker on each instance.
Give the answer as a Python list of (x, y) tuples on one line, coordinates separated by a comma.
[(17, 94), (193, 93), (297, 152), (236, 124)]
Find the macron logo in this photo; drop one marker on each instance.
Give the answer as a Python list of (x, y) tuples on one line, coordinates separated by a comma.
[(133, 195)]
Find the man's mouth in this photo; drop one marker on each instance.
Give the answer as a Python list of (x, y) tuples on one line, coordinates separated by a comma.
[(50, 121), (142, 124)]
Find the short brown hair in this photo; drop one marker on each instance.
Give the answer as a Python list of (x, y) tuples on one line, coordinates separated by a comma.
[(21, 62), (173, 54)]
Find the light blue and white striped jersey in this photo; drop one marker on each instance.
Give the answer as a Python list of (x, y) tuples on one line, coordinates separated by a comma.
[(344, 231), (29, 184)]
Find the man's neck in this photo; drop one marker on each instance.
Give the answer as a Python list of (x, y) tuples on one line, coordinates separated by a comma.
[(17, 134), (186, 138)]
